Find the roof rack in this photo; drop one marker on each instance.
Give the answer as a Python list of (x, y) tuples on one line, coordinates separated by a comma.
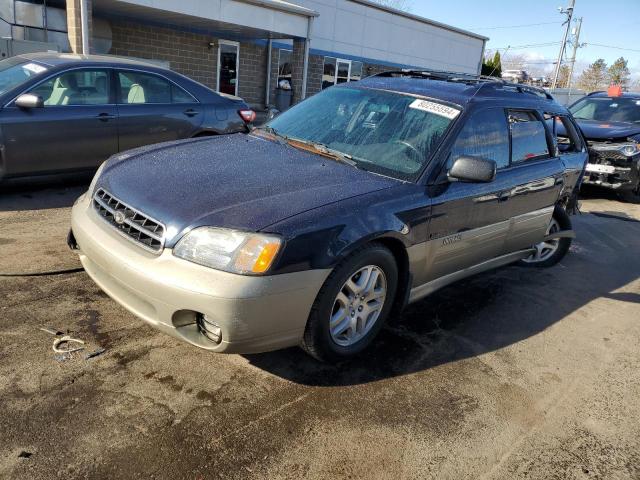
[(482, 80)]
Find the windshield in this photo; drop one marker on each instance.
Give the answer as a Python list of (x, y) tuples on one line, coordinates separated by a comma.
[(607, 109), (383, 132), (15, 71)]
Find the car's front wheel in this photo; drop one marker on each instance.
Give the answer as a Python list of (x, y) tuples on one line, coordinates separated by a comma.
[(352, 305), (549, 252), (631, 196)]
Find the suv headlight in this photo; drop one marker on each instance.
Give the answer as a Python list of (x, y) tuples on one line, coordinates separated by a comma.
[(626, 149), (229, 250)]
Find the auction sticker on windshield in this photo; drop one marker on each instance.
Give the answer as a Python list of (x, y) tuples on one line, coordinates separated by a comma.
[(34, 67), (435, 108)]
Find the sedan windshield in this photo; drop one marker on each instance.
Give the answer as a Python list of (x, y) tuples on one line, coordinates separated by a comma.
[(15, 71), (607, 109), (384, 132)]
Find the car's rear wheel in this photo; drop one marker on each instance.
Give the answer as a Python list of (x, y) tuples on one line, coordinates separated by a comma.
[(549, 252), (352, 305)]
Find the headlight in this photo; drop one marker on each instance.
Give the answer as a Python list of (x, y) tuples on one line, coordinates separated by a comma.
[(229, 250), (92, 186), (626, 149), (630, 150)]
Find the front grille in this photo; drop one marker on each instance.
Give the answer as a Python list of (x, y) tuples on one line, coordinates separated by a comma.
[(602, 153), (136, 226)]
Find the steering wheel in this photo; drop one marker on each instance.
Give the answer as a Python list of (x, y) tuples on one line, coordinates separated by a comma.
[(408, 146)]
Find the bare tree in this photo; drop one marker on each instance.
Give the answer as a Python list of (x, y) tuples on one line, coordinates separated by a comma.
[(403, 5)]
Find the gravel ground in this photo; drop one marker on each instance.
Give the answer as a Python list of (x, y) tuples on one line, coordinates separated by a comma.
[(516, 373)]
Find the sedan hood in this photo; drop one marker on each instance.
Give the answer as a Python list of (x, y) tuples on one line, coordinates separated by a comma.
[(234, 181), (596, 130)]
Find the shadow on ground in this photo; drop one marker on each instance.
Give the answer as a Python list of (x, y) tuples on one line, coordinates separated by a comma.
[(484, 313), (42, 193)]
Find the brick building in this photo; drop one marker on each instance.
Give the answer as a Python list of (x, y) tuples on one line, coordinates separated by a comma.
[(251, 48)]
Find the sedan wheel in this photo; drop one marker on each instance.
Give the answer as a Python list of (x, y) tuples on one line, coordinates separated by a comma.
[(358, 305)]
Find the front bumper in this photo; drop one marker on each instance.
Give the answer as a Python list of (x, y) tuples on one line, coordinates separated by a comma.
[(255, 314), (624, 174)]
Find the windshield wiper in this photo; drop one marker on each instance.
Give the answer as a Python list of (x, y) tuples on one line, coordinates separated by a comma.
[(269, 129), (337, 155)]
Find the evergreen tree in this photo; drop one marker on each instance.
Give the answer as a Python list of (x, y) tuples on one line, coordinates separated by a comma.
[(619, 73), (594, 77)]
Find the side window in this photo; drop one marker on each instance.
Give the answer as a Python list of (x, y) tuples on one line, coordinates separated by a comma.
[(78, 87), (178, 95), (484, 135), (528, 137), (565, 136), (136, 88)]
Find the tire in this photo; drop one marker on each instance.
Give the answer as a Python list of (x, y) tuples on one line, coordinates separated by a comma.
[(336, 303), (561, 221), (631, 196)]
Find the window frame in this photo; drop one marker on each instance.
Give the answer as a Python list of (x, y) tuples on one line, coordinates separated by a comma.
[(56, 74), (118, 87), (349, 75)]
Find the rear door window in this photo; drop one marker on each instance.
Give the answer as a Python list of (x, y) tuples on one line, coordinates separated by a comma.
[(485, 135), (528, 137), (147, 88)]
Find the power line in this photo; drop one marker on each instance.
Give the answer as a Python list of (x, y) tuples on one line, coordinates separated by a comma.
[(515, 26), (513, 47), (614, 47)]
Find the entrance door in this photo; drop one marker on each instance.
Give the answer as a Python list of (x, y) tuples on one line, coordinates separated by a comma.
[(228, 63), (343, 72)]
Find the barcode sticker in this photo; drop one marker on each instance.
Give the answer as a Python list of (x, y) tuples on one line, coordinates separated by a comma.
[(435, 108), (34, 67)]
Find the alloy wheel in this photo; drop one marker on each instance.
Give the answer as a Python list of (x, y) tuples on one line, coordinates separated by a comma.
[(358, 305)]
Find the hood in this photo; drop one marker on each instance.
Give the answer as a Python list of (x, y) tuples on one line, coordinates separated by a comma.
[(234, 181), (596, 130)]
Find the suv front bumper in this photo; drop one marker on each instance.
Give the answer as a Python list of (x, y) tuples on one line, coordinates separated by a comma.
[(255, 314), (612, 172)]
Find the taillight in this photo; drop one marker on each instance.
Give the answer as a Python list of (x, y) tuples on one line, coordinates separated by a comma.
[(247, 115)]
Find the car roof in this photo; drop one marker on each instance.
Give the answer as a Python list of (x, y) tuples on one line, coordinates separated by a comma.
[(461, 89), (601, 94), (55, 59)]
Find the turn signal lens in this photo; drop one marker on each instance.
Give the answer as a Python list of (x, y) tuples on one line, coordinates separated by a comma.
[(257, 254), (247, 115)]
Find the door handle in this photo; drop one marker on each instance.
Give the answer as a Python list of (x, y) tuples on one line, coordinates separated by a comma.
[(191, 112), (105, 116)]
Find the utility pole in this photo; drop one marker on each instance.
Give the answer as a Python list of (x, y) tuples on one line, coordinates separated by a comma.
[(576, 46), (569, 13)]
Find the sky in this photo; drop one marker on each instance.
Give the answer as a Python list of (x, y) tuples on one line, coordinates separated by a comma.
[(614, 23)]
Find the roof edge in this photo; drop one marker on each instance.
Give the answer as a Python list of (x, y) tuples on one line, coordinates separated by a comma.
[(283, 6), (418, 18)]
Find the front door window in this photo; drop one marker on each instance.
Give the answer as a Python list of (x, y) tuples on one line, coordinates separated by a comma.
[(228, 54)]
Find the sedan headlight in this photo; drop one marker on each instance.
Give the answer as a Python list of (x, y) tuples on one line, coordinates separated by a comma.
[(229, 250)]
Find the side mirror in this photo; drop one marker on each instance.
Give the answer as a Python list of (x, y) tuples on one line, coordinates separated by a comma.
[(29, 100), (473, 169)]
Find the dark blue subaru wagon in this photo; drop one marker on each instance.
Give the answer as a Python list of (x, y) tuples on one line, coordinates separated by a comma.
[(315, 228)]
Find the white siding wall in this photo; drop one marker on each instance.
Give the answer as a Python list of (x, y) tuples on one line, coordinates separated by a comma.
[(351, 28)]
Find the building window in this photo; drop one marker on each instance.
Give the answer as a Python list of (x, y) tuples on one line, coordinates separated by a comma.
[(284, 69), (337, 70), (329, 74)]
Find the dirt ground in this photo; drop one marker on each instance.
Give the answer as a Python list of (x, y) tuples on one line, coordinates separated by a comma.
[(516, 373)]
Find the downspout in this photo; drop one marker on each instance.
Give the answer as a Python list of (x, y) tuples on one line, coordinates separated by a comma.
[(267, 93), (84, 24), (305, 66)]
